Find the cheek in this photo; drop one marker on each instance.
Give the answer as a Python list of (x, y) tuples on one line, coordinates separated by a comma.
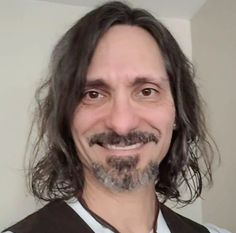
[(83, 121), (162, 118), (79, 129)]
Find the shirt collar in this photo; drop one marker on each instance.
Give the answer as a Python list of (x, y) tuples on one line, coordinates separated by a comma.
[(99, 228)]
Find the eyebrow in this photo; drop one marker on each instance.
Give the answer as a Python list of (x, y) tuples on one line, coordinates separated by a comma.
[(101, 83), (143, 80), (97, 83)]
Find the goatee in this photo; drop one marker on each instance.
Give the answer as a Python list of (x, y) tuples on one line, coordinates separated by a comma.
[(121, 173)]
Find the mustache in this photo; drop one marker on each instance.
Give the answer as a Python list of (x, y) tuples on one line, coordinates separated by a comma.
[(131, 138)]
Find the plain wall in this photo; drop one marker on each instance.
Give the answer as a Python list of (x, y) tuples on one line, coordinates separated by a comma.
[(214, 53), (28, 31)]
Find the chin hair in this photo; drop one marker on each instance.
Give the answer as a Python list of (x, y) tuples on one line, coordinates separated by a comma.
[(121, 173)]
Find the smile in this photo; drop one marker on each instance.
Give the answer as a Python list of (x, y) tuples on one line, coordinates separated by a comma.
[(123, 147)]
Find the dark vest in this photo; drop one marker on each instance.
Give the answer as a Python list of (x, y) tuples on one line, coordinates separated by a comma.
[(58, 217)]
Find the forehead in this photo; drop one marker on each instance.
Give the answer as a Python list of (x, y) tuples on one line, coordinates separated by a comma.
[(125, 52)]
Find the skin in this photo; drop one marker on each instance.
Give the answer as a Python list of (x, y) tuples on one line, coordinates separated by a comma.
[(127, 90)]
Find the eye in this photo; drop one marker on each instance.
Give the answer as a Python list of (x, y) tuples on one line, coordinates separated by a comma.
[(148, 92), (92, 96)]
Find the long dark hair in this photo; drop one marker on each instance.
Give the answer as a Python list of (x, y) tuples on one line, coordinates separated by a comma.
[(56, 170)]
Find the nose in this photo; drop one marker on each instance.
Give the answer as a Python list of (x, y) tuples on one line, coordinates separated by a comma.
[(123, 116)]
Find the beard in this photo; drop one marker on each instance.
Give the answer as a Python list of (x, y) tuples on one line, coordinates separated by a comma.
[(121, 173)]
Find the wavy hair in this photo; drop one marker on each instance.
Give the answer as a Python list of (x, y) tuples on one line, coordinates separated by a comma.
[(56, 171)]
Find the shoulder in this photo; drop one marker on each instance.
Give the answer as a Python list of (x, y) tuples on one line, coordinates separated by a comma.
[(40, 219), (214, 229), (183, 224), (55, 217)]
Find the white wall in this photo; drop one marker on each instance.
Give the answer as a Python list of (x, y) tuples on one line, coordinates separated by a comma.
[(214, 52), (28, 30)]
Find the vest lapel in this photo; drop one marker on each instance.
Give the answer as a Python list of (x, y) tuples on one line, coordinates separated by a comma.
[(180, 224)]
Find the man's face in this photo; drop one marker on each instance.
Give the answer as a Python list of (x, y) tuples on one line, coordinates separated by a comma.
[(123, 126)]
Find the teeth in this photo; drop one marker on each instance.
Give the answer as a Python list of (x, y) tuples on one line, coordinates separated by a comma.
[(115, 147)]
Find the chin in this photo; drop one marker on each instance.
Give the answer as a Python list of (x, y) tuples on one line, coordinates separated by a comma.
[(122, 173)]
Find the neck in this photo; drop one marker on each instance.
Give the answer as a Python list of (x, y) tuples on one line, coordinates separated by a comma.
[(129, 211)]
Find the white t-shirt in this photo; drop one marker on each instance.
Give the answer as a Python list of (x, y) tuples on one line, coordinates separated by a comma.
[(99, 228)]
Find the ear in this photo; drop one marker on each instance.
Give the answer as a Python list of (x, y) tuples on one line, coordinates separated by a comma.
[(174, 126)]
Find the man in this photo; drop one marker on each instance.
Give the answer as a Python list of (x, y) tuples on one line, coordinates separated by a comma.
[(120, 129)]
